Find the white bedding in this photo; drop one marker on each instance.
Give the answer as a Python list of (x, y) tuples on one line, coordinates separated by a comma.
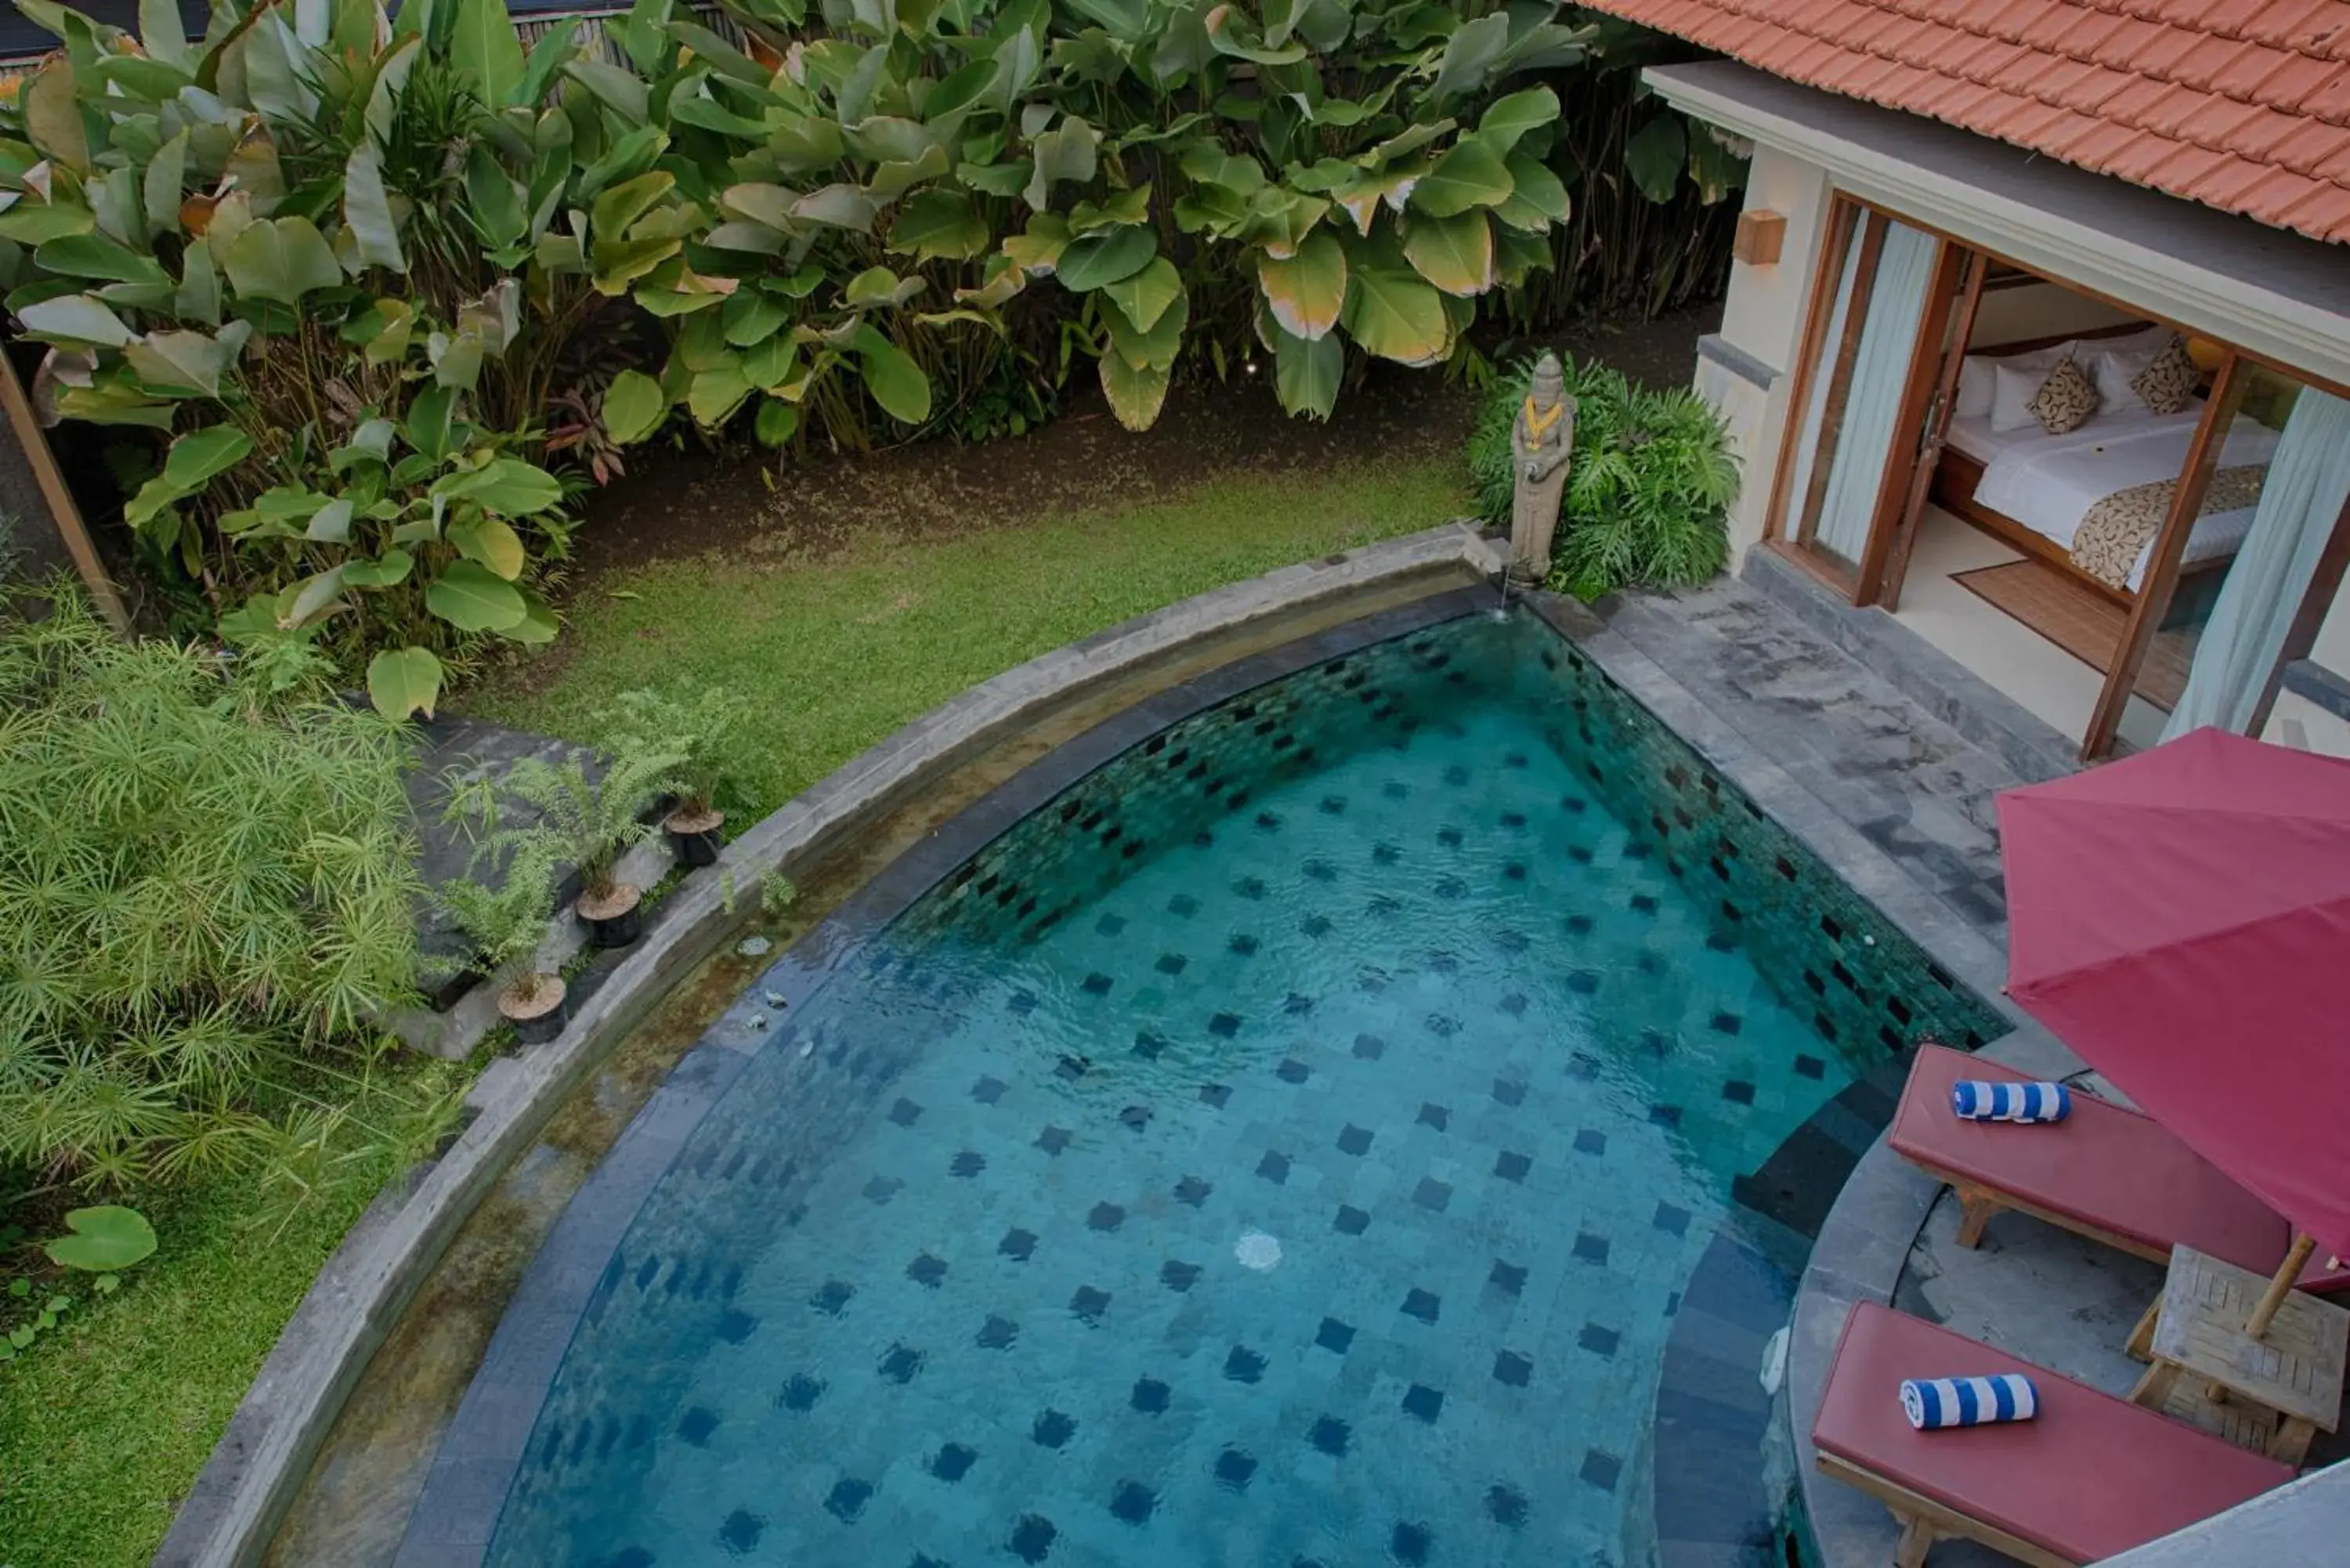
[(2049, 482)]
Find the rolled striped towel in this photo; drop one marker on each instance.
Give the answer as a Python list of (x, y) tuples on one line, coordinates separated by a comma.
[(1977, 1101), (1936, 1402)]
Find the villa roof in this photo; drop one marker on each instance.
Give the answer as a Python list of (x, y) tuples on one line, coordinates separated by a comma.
[(2243, 105)]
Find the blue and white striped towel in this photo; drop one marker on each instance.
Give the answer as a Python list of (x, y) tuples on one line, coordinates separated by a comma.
[(1935, 1402), (1976, 1101)]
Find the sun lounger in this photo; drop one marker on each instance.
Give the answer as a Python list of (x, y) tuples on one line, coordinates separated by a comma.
[(2105, 1172), (2090, 1477)]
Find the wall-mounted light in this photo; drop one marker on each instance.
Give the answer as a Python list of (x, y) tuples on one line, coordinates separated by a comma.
[(1761, 233)]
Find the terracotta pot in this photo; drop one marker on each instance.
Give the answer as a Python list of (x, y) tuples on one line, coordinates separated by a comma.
[(616, 920), (539, 1018), (693, 835)]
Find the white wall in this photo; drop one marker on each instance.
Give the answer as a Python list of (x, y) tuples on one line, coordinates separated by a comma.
[(1763, 317), (2031, 310)]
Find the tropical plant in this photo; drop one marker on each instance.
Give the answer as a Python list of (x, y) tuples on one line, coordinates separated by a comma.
[(1647, 490), (206, 896), (505, 919), (695, 730), (583, 815), (1136, 182), (338, 258)]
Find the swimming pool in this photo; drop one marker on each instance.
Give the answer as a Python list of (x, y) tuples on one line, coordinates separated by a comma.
[(1288, 1145)]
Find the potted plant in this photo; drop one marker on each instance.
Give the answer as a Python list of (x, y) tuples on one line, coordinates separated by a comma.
[(506, 923), (694, 730), (588, 820)]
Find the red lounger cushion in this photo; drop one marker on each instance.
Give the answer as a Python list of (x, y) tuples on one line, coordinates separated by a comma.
[(2103, 1166), (2091, 1477)]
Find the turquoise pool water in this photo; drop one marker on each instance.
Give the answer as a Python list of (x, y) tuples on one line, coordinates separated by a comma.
[(1289, 1147)]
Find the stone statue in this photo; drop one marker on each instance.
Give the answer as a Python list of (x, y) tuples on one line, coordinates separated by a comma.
[(1541, 442)]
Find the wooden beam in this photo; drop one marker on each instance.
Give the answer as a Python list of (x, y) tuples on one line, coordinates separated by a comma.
[(2162, 568), (1929, 453), (1915, 423), (63, 512)]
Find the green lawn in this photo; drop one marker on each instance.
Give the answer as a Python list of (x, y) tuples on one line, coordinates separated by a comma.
[(103, 1426), (837, 651)]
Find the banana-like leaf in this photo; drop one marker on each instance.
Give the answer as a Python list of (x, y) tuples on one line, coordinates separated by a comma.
[(1455, 254), (313, 596), (1511, 118), (752, 317), (939, 226), (367, 209), (95, 255), (470, 597), (895, 382), (281, 259), (506, 485), (1105, 258), (1003, 279), (1156, 347), (891, 181), (74, 318), (1131, 205), (1397, 315), (53, 116), (616, 209), (1305, 292), (619, 91), (716, 393), (1225, 38), (775, 422), (479, 537), (837, 206), (1714, 167), (1472, 52), (1653, 156), (1145, 297), (187, 362), (1039, 251), (633, 407), (1307, 372), (1359, 197), (1136, 393), (159, 185), (1537, 196), (1065, 152), (877, 286), (1470, 176), (331, 525), (162, 34), (485, 46), (403, 680)]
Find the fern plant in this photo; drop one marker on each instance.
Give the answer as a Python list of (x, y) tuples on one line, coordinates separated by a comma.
[(585, 820), (694, 729), (1648, 491), (206, 893), (506, 919)]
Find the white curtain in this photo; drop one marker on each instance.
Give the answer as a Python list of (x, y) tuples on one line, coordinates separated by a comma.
[(1816, 401), (1888, 337), (2308, 483)]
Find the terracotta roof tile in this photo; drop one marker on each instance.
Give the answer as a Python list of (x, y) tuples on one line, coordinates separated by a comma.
[(2242, 104)]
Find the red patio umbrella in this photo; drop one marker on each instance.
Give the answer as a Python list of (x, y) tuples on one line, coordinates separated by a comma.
[(2181, 919)]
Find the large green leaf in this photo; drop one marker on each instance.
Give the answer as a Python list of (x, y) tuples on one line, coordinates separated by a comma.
[(485, 46), (482, 538), (625, 202), (53, 118), (1512, 117), (1145, 297), (1155, 348), (1038, 251), (938, 224), (1470, 176), (1306, 373), (507, 485), (1308, 292), (95, 255), (714, 394), (1106, 257), (633, 407), (1396, 315), (187, 361), (104, 1240), (403, 680), (1538, 197), (838, 207), (366, 208), (74, 318), (1065, 152), (470, 597), (281, 259), (895, 382), (1135, 392), (195, 458), (1455, 254), (1470, 53), (1653, 156)]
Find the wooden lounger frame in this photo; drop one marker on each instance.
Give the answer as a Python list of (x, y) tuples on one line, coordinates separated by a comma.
[(1923, 1522)]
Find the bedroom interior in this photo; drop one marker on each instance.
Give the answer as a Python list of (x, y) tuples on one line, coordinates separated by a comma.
[(2053, 488)]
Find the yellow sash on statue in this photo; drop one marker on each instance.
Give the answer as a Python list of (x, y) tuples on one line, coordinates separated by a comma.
[(1538, 423)]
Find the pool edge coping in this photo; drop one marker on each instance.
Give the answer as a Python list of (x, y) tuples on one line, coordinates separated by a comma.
[(233, 1510)]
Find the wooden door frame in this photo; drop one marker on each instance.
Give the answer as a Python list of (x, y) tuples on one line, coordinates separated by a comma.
[(1933, 382), (1875, 226), (1827, 270), (1937, 419), (2170, 549)]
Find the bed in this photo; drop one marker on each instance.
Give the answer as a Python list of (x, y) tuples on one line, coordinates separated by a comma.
[(2032, 490)]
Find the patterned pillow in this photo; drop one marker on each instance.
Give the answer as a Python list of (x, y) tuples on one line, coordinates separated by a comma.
[(2168, 384), (2065, 400)]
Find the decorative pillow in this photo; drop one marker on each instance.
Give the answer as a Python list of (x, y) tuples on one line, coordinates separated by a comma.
[(2168, 384), (2065, 400)]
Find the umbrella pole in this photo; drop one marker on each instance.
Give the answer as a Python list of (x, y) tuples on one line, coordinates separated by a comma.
[(2304, 1244)]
